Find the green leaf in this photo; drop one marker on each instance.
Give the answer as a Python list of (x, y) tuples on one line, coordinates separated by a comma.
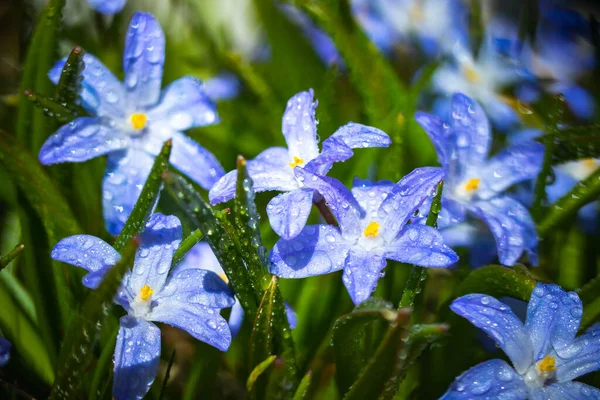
[(186, 245), (302, 390), (77, 350), (567, 206), (103, 366), (258, 371), (205, 218), (574, 143), (69, 85), (498, 281), (381, 367), (51, 108), (163, 388), (589, 295), (136, 222), (7, 258), (32, 129), (348, 335)]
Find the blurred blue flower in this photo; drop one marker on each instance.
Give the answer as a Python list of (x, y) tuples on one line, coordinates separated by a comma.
[(189, 299), (545, 354), (439, 25), (130, 122), (475, 182), (4, 351), (278, 168), (371, 229), (202, 256), (107, 7)]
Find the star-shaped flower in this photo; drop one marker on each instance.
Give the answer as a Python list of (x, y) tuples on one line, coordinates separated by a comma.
[(475, 183), (277, 168), (371, 230), (545, 353), (189, 299), (130, 122)]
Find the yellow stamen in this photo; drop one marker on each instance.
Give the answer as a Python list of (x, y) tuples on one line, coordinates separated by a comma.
[(224, 277), (146, 292), (297, 162), (471, 74), (590, 163), (547, 364), (372, 230), (472, 184), (139, 121)]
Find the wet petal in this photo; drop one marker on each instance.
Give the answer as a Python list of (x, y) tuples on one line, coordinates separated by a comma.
[(471, 130), (569, 391), (439, 133), (317, 250), (81, 140), (292, 317), (299, 127), (421, 245), (334, 151), (500, 323), (361, 274), (143, 60), (288, 212), (236, 318), (553, 317), (370, 195), (137, 355), (224, 86), (196, 286), (107, 7), (580, 357)]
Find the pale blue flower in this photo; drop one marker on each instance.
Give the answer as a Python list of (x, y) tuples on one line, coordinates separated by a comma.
[(107, 7)]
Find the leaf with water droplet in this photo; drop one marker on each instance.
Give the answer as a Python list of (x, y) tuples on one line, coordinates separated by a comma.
[(69, 84), (498, 281)]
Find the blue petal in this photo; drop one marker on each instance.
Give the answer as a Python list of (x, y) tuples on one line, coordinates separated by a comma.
[(184, 104), (195, 286), (137, 355), (288, 212), (107, 7), (339, 199), (200, 256), (81, 140), (361, 274), (407, 196), (471, 129), (158, 243), (580, 101), (421, 245), (567, 391), (334, 150), (317, 250), (224, 86), (270, 170), (299, 127), (236, 318), (502, 115), (203, 323), (4, 351), (512, 227), (439, 133), (126, 173), (518, 163), (87, 252), (553, 317), (143, 60), (493, 379), (370, 195), (580, 357), (292, 317), (500, 323), (102, 93)]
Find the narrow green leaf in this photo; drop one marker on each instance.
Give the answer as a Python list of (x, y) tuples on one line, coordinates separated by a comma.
[(302, 390), (258, 371), (348, 334), (7, 258), (69, 84), (498, 281), (77, 349), (591, 314), (147, 200), (590, 291), (424, 79), (163, 388), (381, 366), (103, 367), (51, 108), (573, 143), (204, 217), (186, 245), (567, 206)]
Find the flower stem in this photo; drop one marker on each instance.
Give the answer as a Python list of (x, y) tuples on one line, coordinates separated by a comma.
[(325, 212), (418, 274)]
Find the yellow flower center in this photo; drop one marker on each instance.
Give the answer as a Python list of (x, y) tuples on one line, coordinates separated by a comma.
[(372, 230), (146, 292), (547, 364), (297, 162), (138, 121), (471, 74), (590, 163), (472, 184)]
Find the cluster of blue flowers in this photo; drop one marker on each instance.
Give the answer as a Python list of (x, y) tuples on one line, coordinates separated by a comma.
[(375, 221)]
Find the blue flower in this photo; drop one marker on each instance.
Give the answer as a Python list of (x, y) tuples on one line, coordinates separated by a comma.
[(130, 122), (202, 255), (371, 229), (107, 7), (475, 183), (278, 168), (189, 299), (4, 351), (545, 353), (439, 25)]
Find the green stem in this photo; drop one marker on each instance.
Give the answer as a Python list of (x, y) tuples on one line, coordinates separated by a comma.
[(542, 180), (186, 245), (418, 274)]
